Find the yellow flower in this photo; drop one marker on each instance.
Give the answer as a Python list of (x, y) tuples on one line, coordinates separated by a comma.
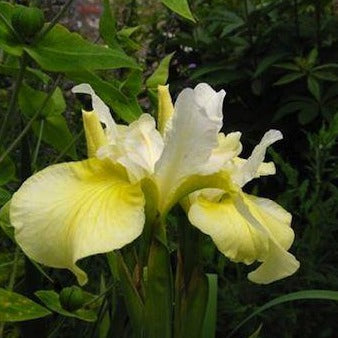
[(73, 210)]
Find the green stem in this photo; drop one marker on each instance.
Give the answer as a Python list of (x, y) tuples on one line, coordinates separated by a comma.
[(30, 122), (13, 100), (14, 269), (55, 20), (11, 281), (10, 28), (38, 144), (109, 288)]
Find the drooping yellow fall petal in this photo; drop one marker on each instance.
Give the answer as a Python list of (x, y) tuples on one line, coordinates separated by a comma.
[(95, 136), (165, 109), (246, 229), (73, 210), (231, 233)]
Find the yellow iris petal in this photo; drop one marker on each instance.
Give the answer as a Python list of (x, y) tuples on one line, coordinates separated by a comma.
[(246, 229), (165, 108), (94, 132), (73, 210)]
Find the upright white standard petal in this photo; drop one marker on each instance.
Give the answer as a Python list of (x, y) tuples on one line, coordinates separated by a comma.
[(100, 108), (250, 168), (229, 146), (140, 147), (196, 122)]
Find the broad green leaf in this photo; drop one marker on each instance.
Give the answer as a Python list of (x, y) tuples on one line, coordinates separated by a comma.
[(326, 66), (127, 108), (193, 304), (8, 42), (51, 299), (313, 86), (30, 101), (180, 7), (159, 299), (327, 76), (5, 196), (55, 131), (288, 78), (15, 308), (5, 223), (62, 51), (299, 295), (287, 66), (132, 86), (57, 134), (290, 108), (203, 70), (6, 266), (133, 301), (312, 58), (108, 26), (209, 326), (126, 32), (308, 114), (267, 62), (7, 170), (160, 75)]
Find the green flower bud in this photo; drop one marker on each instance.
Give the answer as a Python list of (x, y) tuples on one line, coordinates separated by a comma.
[(71, 298), (27, 21)]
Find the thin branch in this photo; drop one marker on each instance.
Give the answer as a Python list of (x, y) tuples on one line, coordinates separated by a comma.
[(55, 20), (30, 122)]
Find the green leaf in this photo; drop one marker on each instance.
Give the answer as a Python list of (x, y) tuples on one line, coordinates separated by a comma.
[(15, 308), (132, 86), (180, 7), (127, 108), (257, 332), (312, 58), (159, 300), (209, 326), (7, 170), (193, 308), (55, 131), (289, 108), (62, 51), (8, 41), (326, 66), (288, 78), (30, 101), (160, 75), (5, 223), (108, 26), (267, 62), (327, 76), (299, 295), (308, 114), (57, 134), (287, 66), (313, 86), (5, 196), (51, 299), (131, 296)]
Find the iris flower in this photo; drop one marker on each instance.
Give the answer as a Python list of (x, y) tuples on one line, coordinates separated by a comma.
[(72, 210)]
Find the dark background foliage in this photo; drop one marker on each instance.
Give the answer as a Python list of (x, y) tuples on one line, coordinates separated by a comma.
[(277, 61)]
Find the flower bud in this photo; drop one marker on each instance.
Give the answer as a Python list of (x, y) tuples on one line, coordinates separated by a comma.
[(71, 298), (27, 21)]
